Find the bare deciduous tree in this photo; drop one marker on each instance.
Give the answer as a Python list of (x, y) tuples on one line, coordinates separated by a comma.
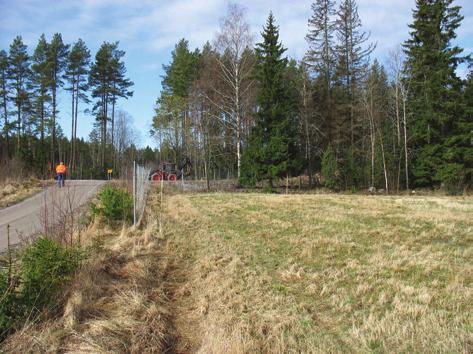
[(400, 93), (233, 43)]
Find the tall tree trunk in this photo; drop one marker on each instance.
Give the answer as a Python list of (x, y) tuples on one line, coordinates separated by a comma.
[(71, 160), (386, 182), (18, 128), (373, 144), (405, 143), (5, 118), (307, 132), (53, 138), (238, 120), (75, 126)]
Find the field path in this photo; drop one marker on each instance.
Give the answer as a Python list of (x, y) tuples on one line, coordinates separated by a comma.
[(28, 217)]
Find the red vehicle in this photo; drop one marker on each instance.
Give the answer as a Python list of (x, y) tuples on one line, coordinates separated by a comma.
[(166, 172)]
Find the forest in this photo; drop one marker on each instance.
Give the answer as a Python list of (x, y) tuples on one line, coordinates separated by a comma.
[(32, 141), (245, 111), (346, 121)]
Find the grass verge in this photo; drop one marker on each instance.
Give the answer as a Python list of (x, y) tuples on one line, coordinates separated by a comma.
[(15, 191), (116, 302)]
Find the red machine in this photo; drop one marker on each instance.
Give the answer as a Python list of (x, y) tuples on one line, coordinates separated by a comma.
[(166, 172)]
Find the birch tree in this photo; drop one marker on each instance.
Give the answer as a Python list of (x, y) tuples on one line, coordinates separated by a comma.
[(233, 42), (400, 96)]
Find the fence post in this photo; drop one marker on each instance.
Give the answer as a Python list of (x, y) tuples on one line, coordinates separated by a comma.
[(134, 193), (9, 256)]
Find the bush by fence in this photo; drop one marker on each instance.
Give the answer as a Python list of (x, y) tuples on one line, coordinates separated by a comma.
[(113, 204)]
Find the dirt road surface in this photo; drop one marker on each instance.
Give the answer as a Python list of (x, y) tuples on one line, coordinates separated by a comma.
[(45, 208)]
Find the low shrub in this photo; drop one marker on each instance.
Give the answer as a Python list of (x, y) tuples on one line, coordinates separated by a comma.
[(113, 204), (7, 305), (44, 268), (330, 171), (269, 190)]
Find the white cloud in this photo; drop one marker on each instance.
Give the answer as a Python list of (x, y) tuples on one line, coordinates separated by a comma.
[(149, 29)]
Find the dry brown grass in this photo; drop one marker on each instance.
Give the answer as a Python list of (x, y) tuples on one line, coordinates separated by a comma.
[(252, 273), (324, 273), (13, 191), (116, 303)]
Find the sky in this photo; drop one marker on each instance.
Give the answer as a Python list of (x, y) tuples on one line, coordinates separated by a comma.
[(148, 30)]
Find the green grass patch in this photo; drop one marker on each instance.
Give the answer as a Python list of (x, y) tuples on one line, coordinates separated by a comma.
[(338, 273)]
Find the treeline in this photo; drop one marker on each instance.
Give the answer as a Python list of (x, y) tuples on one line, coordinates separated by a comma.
[(30, 84), (242, 111)]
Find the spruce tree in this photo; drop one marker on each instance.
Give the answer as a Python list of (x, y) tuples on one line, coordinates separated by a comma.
[(435, 93), (321, 59), (321, 55), (329, 169), (465, 126), (353, 51), (272, 150)]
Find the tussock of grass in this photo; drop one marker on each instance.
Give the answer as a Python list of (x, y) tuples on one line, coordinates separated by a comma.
[(324, 273), (13, 191)]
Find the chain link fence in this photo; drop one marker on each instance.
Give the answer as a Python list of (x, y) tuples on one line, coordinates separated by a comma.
[(141, 185)]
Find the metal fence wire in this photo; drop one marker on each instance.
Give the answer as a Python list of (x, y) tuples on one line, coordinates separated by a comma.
[(141, 185)]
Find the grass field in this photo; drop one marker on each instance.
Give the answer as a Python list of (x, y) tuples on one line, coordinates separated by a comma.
[(322, 273), (258, 273)]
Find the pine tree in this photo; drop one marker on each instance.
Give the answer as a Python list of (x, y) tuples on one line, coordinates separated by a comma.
[(100, 77), (435, 93), (57, 61), (182, 71), (108, 83), (120, 84), (272, 150), (178, 80), (76, 73), (19, 76), (41, 84), (4, 98)]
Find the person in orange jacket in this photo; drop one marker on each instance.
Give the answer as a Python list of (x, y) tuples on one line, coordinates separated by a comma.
[(61, 174)]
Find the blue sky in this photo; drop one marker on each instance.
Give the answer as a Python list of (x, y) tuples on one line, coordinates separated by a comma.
[(148, 29)]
